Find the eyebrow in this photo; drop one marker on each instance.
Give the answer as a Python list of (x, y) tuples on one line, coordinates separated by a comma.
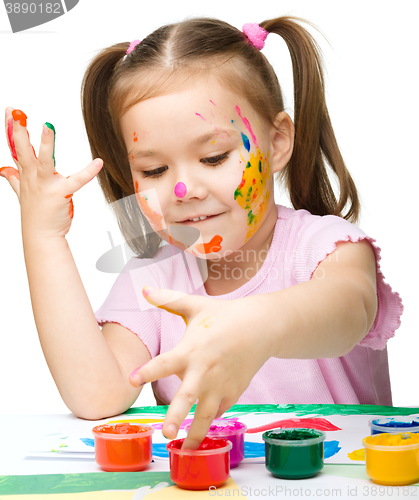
[(202, 139)]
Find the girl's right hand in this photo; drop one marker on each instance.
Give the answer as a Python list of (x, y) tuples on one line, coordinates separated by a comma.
[(44, 195)]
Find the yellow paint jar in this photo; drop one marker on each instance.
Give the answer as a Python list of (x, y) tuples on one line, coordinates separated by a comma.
[(392, 459)]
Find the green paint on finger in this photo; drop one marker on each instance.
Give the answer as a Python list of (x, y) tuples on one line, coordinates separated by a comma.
[(51, 126)]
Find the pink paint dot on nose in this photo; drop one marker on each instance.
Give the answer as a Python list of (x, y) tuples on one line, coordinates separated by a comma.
[(180, 190)]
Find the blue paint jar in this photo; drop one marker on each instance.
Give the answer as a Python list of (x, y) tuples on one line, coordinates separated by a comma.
[(394, 425)]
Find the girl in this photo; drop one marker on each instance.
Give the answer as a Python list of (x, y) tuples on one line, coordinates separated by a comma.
[(281, 305)]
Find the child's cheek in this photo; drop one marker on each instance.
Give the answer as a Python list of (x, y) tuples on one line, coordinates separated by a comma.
[(253, 193), (150, 206)]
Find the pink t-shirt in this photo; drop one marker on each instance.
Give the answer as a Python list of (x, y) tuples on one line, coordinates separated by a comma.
[(300, 242)]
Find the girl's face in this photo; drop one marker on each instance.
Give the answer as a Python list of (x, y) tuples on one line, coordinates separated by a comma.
[(201, 153)]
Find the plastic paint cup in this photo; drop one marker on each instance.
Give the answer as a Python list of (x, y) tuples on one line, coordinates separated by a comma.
[(231, 430), (123, 447), (294, 453), (393, 425), (202, 468), (392, 464)]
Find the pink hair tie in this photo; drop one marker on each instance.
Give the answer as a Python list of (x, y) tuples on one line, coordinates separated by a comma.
[(256, 34), (132, 46)]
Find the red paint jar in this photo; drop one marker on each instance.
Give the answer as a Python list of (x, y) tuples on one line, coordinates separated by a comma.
[(199, 469), (123, 447)]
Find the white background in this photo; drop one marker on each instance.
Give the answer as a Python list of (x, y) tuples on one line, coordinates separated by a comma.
[(372, 85)]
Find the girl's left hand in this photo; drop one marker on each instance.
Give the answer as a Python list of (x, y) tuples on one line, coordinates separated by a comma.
[(219, 354)]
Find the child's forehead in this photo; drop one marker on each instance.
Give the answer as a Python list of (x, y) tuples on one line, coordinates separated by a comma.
[(203, 100)]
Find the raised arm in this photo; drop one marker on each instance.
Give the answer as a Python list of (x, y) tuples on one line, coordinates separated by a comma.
[(90, 367)]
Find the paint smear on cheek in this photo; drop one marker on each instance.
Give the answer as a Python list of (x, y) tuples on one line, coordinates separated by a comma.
[(135, 138), (246, 142), (213, 246), (154, 218), (253, 192), (247, 125)]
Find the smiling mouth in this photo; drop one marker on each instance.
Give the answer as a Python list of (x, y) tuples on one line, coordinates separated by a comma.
[(197, 220)]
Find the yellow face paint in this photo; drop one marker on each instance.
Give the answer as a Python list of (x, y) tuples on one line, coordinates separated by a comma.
[(253, 192), (392, 459)]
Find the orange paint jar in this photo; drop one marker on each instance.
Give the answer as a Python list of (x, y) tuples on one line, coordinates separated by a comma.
[(392, 459), (123, 447)]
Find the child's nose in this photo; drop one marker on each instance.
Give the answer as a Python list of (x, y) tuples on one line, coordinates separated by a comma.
[(187, 189)]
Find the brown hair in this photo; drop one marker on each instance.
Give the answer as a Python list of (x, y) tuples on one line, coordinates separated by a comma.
[(175, 53)]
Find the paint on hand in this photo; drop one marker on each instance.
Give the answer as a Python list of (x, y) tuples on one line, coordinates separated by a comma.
[(321, 424), (10, 137), (71, 209), (253, 192), (146, 294), (200, 116), (9, 172), (51, 127), (213, 246), (206, 323), (180, 190), (19, 116), (357, 454)]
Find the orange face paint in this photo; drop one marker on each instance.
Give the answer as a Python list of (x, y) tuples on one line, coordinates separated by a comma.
[(155, 219), (135, 137), (213, 246)]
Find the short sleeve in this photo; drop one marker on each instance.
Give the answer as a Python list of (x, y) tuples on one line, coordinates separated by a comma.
[(317, 240), (126, 305)]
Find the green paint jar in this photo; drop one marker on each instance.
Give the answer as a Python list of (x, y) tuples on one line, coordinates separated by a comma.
[(294, 453)]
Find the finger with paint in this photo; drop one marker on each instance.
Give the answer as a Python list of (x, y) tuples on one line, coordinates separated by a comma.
[(19, 138), (9, 132)]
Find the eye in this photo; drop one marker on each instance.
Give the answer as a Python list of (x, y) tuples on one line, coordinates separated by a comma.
[(215, 160), (157, 172)]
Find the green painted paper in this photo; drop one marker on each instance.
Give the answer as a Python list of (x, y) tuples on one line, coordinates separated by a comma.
[(323, 409), (299, 410), (78, 483)]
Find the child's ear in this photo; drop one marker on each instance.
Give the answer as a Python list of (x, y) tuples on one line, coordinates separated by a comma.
[(282, 137)]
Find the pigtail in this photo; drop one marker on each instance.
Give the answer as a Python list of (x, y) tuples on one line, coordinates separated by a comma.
[(306, 175), (115, 177)]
